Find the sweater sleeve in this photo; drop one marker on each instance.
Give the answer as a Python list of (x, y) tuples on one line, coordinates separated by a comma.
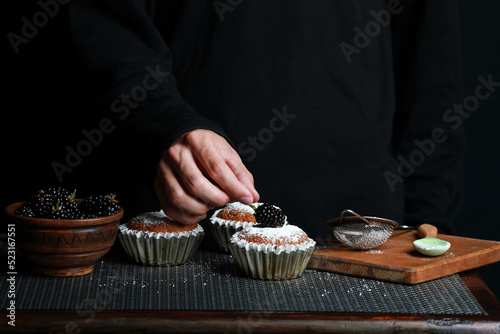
[(127, 75), (428, 76)]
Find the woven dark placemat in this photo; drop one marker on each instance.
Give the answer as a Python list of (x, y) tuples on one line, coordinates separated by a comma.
[(211, 282)]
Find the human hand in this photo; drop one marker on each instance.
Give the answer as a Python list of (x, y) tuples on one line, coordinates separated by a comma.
[(182, 181)]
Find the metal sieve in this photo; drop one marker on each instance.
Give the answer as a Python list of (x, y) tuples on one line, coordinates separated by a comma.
[(361, 232)]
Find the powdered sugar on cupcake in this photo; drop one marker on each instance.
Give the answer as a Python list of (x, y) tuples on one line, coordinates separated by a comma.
[(287, 238), (157, 224), (234, 214), (241, 207), (286, 235)]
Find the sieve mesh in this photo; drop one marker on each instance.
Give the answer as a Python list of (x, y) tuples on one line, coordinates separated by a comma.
[(361, 232), (360, 235)]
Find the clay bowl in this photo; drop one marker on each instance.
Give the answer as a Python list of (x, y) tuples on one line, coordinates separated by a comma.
[(63, 247)]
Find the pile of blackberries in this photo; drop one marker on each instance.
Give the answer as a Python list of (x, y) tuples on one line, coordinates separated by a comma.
[(60, 203)]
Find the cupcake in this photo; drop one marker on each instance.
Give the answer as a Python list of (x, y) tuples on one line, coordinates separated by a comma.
[(153, 238), (271, 249), (230, 219)]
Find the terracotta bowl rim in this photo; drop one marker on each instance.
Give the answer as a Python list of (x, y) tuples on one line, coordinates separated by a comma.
[(45, 222)]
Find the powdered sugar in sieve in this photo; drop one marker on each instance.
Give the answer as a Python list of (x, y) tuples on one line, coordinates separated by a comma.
[(362, 232)]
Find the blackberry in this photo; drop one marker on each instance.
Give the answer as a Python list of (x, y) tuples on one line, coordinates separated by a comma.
[(56, 211), (59, 203), (24, 211), (95, 206), (65, 209), (39, 205), (268, 215), (54, 203)]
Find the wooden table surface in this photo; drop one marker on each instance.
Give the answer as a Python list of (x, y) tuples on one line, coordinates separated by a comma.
[(100, 321)]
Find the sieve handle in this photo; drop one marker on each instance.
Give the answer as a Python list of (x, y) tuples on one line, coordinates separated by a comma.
[(427, 231), (353, 213)]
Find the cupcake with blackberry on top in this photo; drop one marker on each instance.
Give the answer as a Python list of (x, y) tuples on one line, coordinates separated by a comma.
[(271, 249), (230, 219), (153, 238)]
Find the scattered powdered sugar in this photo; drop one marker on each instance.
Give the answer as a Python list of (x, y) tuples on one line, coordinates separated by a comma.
[(372, 251)]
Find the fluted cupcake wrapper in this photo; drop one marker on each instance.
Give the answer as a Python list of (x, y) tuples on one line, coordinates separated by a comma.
[(223, 233), (150, 249), (223, 230), (263, 264)]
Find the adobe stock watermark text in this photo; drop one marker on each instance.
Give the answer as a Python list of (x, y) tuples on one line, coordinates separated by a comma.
[(454, 118), (121, 108), (30, 26), (248, 148)]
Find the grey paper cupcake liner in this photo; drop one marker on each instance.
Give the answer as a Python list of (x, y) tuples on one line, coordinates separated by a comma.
[(160, 250), (271, 265), (223, 233), (223, 230)]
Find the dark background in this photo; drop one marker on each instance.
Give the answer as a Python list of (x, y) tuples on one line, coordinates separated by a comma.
[(45, 111)]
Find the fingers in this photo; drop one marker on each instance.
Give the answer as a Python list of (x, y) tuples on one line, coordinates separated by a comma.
[(195, 187), (224, 166), (174, 200), (182, 182), (233, 177)]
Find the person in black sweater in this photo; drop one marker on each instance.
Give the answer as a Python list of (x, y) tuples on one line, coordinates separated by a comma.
[(319, 106)]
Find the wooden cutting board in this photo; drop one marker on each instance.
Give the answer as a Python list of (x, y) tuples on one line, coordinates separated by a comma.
[(397, 261)]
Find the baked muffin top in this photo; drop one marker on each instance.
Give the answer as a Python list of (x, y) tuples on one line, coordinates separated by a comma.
[(158, 222), (237, 211)]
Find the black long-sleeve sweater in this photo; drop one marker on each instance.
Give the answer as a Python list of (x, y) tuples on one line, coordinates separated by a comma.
[(331, 104)]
